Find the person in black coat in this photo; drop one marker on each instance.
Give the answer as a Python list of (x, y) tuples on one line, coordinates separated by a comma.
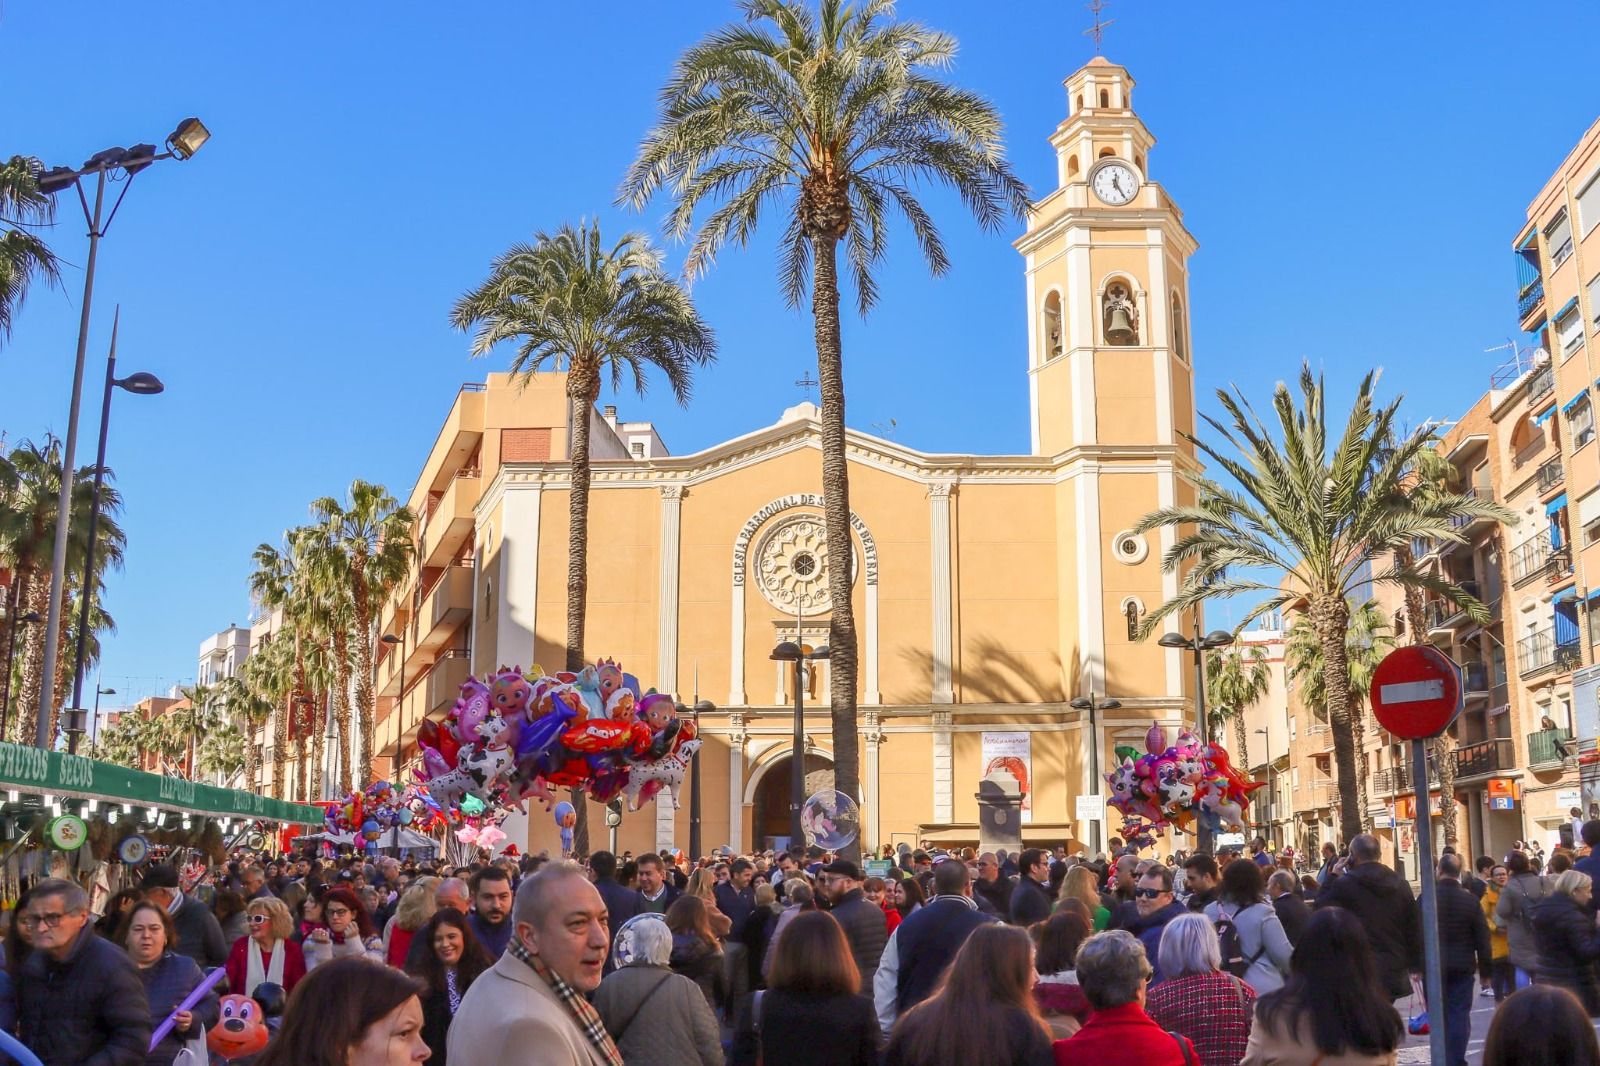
[(621, 903), (1383, 902), (1293, 914), (1568, 943), (1464, 945), (1030, 900), (79, 997), (861, 919), (991, 888), (813, 1010), (199, 933)]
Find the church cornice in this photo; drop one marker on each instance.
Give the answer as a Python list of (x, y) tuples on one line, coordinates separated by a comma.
[(1167, 218)]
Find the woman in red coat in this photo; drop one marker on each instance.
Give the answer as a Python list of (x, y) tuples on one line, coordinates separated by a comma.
[(265, 955), (1113, 972), (876, 892)]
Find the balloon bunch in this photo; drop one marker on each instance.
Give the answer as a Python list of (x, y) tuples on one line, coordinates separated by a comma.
[(1176, 786), (518, 735), (377, 808)]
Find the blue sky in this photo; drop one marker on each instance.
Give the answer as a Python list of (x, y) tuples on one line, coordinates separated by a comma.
[(1355, 176)]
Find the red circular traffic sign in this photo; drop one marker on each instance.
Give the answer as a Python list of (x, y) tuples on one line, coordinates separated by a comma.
[(1416, 692)]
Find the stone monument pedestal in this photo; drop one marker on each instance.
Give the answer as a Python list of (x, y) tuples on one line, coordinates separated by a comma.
[(999, 813)]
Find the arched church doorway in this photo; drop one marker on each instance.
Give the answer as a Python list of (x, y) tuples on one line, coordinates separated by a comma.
[(769, 821)]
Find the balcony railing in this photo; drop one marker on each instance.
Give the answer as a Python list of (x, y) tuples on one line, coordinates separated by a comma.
[(1558, 565), (1398, 778), (1530, 298), (1528, 559), (1542, 384), (1548, 747), (1550, 474), (1540, 652), (1484, 757)]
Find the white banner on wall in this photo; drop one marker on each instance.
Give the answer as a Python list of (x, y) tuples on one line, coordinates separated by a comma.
[(1013, 753)]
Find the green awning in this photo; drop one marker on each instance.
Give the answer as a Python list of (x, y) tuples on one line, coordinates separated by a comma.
[(32, 770)]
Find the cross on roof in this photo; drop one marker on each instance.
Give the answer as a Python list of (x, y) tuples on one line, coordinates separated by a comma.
[(807, 384), (1098, 30)]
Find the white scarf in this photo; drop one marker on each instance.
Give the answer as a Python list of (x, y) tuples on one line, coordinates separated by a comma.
[(256, 973)]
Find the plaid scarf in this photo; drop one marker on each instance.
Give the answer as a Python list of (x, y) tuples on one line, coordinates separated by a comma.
[(582, 1011)]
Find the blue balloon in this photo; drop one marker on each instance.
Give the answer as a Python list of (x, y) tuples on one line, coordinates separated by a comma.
[(406, 816)]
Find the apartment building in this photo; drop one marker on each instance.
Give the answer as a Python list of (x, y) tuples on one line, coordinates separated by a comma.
[(221, 655)]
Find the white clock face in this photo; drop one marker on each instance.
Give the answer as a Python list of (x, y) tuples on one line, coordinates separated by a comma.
[(1115, 183)]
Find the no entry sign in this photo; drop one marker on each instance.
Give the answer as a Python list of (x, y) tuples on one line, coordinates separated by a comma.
[(1416, 692)]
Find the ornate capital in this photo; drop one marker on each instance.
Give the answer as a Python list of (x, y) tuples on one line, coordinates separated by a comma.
[(738, 734), (672, 492), (943, 719), (941, 489)]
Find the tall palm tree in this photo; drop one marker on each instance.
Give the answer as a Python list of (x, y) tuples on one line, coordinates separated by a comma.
[(24, 257), (1367, 640), (1236, 680), (362, 551), (569, 301), (247, 710), (223, 751), (830, 117), (196, 721), (1306, 521)]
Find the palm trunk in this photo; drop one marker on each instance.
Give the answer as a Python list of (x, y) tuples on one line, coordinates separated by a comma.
[(1358, 733), (364, 708), (21, 584), (583, 388), (31, 654), (836, 507), (340, 705), (1240, 735), (280, 742), (1443, 745), (1330, 615)]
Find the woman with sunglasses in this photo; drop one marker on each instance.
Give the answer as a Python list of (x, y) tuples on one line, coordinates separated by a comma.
[(265, 955), (349, 931)]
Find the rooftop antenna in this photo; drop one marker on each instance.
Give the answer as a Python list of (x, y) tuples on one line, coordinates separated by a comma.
[(1098, 30), (806, 384)]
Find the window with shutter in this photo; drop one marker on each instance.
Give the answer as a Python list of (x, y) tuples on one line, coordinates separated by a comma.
[(1594, 297), (1589, 516), (1558, 240), (1589, 205), (1569, 329), (1581, 421)]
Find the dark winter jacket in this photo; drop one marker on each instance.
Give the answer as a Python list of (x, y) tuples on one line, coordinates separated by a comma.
[(167, 984), (621, 904), (199, 934), (89, 1010), (1463, 932), (800, 1030), (924, 945), (1030, 902), (1293, 914), (1148, 930), (863, 924), (1569, 946), (997, 893), (1382, 901)]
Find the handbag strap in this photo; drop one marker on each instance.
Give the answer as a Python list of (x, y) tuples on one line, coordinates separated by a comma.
[(1183, 1046), (617, 1036)]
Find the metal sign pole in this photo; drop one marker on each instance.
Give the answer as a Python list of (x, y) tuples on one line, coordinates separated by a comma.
[(1433, 975)]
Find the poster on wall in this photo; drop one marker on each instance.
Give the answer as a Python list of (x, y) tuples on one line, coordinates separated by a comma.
[(1013, 753)]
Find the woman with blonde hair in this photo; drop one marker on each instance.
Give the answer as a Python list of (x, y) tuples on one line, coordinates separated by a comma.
[(1567, 941), (266, 954), (416, 906), (1081, 884), (702, 884)]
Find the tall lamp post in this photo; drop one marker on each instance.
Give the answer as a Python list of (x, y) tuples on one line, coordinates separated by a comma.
[(693, 714), (1217, 638), (181, 144), (790, 651), (30, 619), (139, 384), (1090, 704)]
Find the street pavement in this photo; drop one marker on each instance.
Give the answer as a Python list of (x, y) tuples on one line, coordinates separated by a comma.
[(1415, 1048)]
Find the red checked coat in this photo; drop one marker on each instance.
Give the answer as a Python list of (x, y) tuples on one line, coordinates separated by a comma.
[(1123, 1034)]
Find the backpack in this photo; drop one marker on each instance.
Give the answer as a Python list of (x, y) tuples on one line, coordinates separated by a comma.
[(1234, 960)]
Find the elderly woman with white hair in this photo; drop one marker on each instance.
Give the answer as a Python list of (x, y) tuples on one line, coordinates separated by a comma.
[(1198, 999), (1568, 943), (656, 1016)]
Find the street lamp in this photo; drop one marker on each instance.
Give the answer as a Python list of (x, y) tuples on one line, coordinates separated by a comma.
[(391, 640), (791, 652), (693, 714), (30, 619), (182, 143), (1088, 703), (1217, 638), (140, 384), (94, 725)]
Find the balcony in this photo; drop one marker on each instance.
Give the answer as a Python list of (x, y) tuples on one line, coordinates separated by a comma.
[(1444, 616), (1542, 384), (1528, 559), (449, 519), (1550, 474), (428, 697), (1558, 565), (1545, 748), (1485, 757), (1471, 524), (447, 604), (1398, 778), (1530, 299), (1477, 680), (1539, 653)]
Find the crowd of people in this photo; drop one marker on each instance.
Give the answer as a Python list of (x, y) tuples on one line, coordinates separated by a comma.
[(995, 959)]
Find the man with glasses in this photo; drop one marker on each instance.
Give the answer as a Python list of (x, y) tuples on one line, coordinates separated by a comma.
[(1030, 899), (1157, 906), (991, 890), (79, 998)]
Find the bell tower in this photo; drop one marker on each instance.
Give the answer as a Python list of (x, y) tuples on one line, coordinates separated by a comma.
[(1107, 275)]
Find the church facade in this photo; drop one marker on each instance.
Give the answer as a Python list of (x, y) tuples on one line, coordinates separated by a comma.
[(989, 591)]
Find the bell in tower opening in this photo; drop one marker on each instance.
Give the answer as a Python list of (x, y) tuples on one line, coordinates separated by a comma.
[(1120, 317)]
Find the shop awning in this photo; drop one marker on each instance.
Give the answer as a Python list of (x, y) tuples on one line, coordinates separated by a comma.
[(37, 772)]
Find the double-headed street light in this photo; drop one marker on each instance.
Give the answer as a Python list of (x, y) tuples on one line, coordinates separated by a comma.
[(119, 164), (1217, 638), (1090, 704), (791, 652)]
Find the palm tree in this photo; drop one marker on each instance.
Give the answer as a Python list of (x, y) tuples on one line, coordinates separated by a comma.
[(602, 313), (247, 710), (1236, 679), (122, 743), (1367, 640), (836, 114), (362, 551), (222, 751), (24, 257), (1306, 523)]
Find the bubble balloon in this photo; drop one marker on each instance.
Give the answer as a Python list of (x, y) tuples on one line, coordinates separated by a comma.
[(623, 950), (831, 820)]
